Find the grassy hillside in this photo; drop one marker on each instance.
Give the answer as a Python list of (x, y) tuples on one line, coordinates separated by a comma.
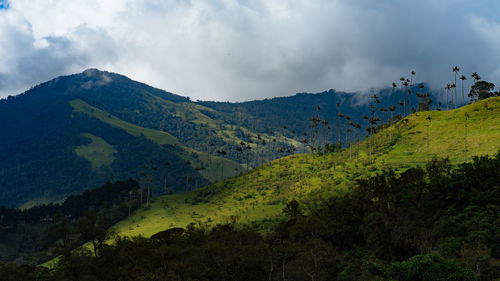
[(99, 153), (260, 195), (76, 132), (207, 165)]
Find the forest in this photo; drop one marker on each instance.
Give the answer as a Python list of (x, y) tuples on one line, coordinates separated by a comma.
[(438, 222)]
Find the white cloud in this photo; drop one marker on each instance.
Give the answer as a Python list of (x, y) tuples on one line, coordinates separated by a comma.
[(241, 50)]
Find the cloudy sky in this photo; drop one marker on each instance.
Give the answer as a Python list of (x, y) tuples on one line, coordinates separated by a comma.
[(246, 49)]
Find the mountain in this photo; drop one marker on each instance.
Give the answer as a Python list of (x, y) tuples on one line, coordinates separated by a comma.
[(68, 135), (76, 132), (258, 198)]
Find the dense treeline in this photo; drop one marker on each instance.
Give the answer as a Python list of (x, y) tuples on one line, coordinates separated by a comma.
[(435, 223), (26, 236)]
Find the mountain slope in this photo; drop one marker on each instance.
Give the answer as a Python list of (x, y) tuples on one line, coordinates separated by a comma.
[(75, 132), (260, 196), (54, 143)]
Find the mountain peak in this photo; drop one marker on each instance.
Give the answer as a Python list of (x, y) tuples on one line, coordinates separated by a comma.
[(95, 77), (92, 72)]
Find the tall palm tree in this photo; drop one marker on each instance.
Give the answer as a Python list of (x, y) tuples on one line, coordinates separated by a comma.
[(391, 109), (392, 93), (349, 131), (248, 147), (357, 126), (222, 153), (403, 80), (405, 98), (263, 143), (476, 77), (210, 151), (280, 151), (455, 70), (367, 123), (373, 126), (466, 118), (448, 87), (304, 141), (463, 78), (325, 133), (428, 135), (373, 122), (384, 110), (409, 101), (239, 149), (421, 89), (337, 115), (347, 118), (409, 92), (187, 177), (454, 86)]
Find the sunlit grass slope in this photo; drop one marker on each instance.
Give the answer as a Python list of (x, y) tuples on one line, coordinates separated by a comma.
[(259, 196), (98, 152)]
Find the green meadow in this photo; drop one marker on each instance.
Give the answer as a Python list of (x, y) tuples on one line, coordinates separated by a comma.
[(257, 198)]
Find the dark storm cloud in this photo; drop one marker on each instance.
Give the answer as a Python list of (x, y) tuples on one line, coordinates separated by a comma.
[(242, 50), (28, 62)]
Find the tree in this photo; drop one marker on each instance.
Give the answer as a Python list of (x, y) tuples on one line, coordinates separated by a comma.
[(293, 209), (391, 109), (448, 87), (425, 102), (463, 78), (325, 134), (409, 90), (402, 101), (482, 90), (466, 118), (428, 135), (91, 228), (428, 267), (475, 77), (338, 118), (239, 149), (349, 131), (304, 141), (384, 110), (454, 100), (455, 70), (222, 153)]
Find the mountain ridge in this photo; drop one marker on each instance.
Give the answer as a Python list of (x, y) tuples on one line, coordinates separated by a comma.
[(44, 131)]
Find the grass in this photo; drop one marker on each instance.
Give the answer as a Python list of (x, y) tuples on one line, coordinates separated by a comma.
[(212, 167), (159, 137), (99, 153), (260, 196)]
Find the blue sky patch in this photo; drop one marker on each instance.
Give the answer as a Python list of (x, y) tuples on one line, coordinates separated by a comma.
[(4, 4)]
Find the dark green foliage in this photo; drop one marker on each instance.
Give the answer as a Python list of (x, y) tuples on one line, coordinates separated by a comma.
[(42, 131), (482, 90), (26, 236), (425, 102), (432, 224), (10, 272), (293, 209), (429, 268)]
